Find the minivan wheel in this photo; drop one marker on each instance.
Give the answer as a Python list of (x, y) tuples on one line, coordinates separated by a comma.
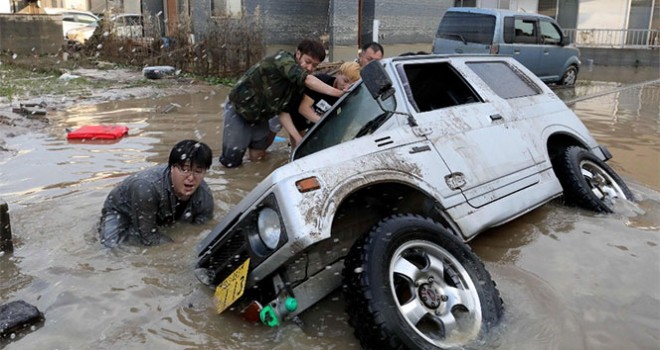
[(570, 76), (410, 283), (588, 182)]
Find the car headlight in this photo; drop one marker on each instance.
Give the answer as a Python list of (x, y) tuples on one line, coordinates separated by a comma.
[(268, 224)]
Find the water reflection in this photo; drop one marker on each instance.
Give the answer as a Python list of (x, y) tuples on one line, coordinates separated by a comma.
[(628, 122)]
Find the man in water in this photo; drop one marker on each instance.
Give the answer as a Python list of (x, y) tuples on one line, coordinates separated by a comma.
[(158, 196)]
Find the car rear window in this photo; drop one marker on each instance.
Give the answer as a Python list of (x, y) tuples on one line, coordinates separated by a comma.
[(504, 80), (469, 27)]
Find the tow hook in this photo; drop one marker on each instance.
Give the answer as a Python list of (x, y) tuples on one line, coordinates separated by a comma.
[(273, 313)]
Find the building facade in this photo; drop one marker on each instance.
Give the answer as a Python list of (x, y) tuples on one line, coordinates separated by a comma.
[(352, 22)]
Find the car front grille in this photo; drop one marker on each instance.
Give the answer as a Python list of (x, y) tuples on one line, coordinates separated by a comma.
[(226, 256)]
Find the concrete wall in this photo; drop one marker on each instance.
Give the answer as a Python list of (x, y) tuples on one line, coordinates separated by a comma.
[(414, 22), (410, 22), (31, 34), (288, 21), (620, 57)]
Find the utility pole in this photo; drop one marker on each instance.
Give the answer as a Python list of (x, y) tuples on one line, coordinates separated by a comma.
[(366, 15), (359, 34)]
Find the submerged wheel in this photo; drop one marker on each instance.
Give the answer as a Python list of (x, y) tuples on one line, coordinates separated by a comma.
[(570, 76), (410, 283), (588, 182)]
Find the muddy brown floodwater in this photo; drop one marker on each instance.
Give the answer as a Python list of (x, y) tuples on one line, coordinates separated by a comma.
[(570, 279)]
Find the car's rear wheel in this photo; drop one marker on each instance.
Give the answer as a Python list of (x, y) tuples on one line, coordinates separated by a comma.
[(410, 283), (588, 182), (569, 77)]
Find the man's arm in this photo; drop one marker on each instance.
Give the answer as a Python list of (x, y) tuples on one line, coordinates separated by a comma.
[(287, 124), (318, 85), (305, 109)]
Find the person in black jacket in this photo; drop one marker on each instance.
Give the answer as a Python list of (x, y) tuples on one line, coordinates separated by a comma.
[(159, 196), (308, 108)]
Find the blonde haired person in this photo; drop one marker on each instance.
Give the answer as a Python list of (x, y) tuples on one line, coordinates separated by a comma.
[(314, 104)]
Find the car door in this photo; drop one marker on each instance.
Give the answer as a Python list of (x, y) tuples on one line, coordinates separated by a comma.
[(520, 35), (487, 156), (553, 55)]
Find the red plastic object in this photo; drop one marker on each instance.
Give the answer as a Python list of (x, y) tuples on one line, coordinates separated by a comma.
[(98, 132)]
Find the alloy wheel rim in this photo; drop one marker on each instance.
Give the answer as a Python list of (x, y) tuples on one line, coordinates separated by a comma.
[(601, 183), (435, 294)]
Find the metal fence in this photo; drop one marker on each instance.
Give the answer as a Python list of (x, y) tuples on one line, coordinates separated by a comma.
[(615, 38)]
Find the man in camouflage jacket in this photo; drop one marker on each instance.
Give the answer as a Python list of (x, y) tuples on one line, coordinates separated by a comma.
[(263, 91)]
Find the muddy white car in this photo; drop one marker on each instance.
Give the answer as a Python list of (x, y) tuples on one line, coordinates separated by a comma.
[(380, 197)]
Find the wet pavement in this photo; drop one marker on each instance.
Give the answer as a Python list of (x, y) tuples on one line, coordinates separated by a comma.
[(570, 279)]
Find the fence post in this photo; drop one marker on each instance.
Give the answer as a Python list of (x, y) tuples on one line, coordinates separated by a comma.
[(5, 228)]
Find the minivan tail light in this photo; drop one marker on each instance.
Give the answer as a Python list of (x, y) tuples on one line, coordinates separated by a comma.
[(494, 49)]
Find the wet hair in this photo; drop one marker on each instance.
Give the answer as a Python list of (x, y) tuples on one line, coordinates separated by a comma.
[(312, 48), (198, 153), (376, 47), (351, 70)]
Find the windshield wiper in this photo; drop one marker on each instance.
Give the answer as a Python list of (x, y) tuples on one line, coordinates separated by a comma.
[(455, 35), (372, 125)]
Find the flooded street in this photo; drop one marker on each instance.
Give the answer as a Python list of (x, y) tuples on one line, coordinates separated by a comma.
[(569, 278)]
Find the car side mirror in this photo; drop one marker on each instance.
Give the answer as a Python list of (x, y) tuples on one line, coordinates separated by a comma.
[(376, 80), (565, 40)]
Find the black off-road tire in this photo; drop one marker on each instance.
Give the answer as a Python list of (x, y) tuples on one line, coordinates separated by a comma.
[(408, 260), (569, 77), (588, 182)]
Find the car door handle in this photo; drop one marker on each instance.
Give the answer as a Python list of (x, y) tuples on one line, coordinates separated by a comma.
[(516, 51), (495, 117)]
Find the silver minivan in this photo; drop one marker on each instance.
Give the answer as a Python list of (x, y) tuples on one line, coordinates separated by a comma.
[(537, 41)]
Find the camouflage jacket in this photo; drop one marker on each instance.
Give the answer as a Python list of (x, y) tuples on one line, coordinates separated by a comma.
[(267, 87)]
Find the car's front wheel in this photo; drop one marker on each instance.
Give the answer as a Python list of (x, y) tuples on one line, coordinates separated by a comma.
[(588, 182), (410, 283)]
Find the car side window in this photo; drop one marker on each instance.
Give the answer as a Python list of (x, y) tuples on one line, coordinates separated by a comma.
[(519, 30), (504, 80), (86, 19), (550, 34), (436, 85), (133, 20)]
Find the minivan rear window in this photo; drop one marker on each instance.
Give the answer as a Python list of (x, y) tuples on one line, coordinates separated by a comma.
[(467, 27)]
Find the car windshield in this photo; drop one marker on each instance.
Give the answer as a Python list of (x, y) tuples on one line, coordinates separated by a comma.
[(356, 115)]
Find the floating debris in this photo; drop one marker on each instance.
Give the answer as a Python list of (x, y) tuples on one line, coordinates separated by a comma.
[(31, 109), (157, 72)]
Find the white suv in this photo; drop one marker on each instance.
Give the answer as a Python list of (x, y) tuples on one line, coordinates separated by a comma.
[(382, 194), (124, 25), (72, 19)]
